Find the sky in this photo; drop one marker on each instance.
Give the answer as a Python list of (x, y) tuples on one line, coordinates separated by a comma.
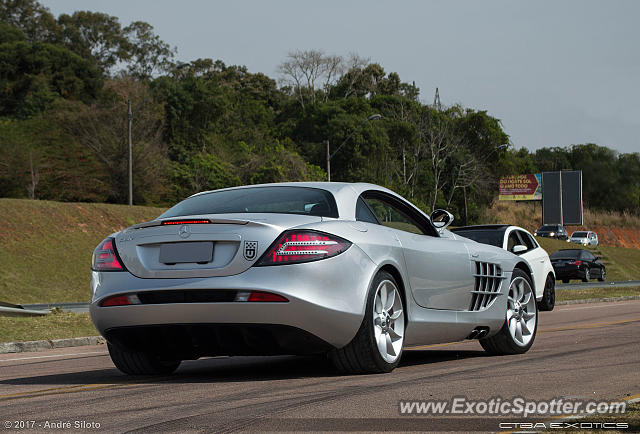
[(554, 72)]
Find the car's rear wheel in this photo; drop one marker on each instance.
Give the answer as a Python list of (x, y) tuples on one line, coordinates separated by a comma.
[(140, 363), (548, 301), (603, 275), (521, 323), (586, 275), (377, 347)]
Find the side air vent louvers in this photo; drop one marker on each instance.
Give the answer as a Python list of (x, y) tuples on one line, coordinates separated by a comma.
[(488, 278)]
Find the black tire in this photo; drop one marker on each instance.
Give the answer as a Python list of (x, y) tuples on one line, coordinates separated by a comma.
[(139, 363), (603, 275), (565, 280), (361, 355), (586, 275), (548, 301), (502, 343)]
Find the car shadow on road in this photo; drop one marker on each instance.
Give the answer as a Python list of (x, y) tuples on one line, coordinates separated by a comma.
[(231, 369)]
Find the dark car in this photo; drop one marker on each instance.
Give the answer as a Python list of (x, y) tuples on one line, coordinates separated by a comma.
[(552, 231), (577, 264)]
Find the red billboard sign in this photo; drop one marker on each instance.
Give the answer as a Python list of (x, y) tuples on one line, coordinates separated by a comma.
[(521, 187)]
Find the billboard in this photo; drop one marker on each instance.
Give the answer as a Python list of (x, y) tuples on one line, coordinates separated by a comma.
[(521, 187), (562, 197), (552, 199)]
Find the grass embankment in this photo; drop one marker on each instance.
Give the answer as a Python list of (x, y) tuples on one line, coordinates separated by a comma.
[(57, 325), (620, 263), (529, 215), (614, 229), (46, 247), (596, 293)]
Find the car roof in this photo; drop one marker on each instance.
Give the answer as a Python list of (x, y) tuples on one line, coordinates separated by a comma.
[(345, 193), (569, 250), (333, 187)]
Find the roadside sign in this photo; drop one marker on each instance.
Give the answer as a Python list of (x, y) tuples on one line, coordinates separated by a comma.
[(521, 187)]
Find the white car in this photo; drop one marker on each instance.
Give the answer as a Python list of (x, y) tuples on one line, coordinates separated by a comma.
[(519, 242), (586, 238)]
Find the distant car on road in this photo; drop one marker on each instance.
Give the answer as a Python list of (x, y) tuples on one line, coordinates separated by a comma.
[(552, 231), (519, 242), (586, 238), (577, 264)]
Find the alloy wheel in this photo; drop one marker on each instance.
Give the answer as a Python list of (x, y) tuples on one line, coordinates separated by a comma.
[(521, 311), (388, 321)]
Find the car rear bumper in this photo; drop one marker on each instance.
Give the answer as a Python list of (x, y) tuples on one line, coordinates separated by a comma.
[(569, 273), (325, 308), (191, 341)]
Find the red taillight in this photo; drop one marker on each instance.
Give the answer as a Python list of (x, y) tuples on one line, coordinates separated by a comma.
[(576, 263), (294, 247), (105, 257), (186, 222), (266, 297), (118, 300)]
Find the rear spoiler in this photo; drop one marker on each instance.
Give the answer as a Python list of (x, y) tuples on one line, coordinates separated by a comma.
[(187, 220)]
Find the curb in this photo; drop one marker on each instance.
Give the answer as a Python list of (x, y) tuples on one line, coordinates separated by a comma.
[(598, 300), (31, 346)]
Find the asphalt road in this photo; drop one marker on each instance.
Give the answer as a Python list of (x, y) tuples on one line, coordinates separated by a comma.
[(581, 352)]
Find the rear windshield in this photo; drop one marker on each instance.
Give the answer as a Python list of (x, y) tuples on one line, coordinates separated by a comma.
[(491, 237), (579, 235), (548, 228), (565, 254), (274, 200)]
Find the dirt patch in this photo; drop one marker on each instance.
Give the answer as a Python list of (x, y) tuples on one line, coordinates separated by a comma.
[(612, 236)]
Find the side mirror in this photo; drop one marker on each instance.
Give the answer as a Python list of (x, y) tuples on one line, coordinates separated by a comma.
[(441, 218), (519, 249)]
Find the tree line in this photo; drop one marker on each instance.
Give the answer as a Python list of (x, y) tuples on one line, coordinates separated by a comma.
[(65, 83)]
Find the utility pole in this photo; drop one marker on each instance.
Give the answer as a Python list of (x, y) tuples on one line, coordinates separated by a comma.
[(436, 101), (130, 120), (328, 163)]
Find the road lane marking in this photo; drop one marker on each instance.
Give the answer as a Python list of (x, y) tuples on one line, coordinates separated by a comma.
[(589, 326), (62, 390), (542, 330), (53, 355), (424, 347)]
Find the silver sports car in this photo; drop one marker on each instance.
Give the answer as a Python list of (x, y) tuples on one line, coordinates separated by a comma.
[(353, 271)]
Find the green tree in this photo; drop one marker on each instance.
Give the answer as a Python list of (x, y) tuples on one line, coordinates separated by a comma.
[(32, 76), (31, 18), (95, 35)]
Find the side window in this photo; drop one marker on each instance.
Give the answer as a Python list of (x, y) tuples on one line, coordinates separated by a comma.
[(588, 256), (392, 216), (526, 236), (513, 240), (526, 239), (364, 214)]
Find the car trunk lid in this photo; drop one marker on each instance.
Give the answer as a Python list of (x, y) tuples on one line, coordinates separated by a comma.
[(203, 245)]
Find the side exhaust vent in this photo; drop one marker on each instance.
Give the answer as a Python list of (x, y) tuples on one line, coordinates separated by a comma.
[(488, 279)]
